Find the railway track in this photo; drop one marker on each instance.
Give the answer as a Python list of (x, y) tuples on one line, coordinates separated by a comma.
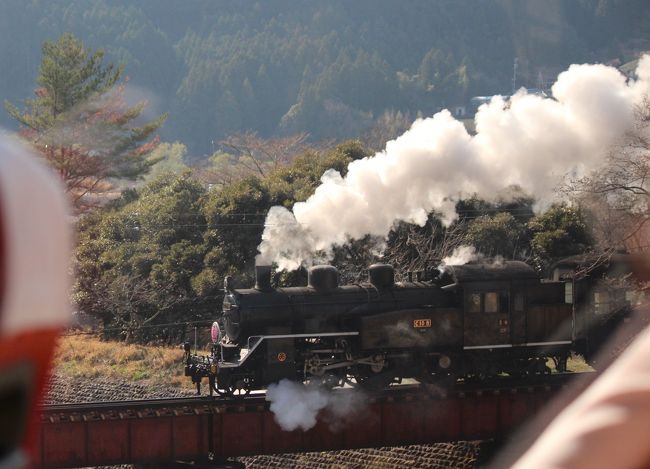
[(460, 389)]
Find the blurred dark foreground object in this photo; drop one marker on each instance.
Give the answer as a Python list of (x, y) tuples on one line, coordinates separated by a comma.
[(34, 279)]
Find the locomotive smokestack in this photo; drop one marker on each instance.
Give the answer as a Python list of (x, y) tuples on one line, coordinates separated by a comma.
[(324, 278), (382, 276), (263, 277)]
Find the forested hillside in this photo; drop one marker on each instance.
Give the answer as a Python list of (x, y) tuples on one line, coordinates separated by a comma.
[(327, 68), (227, 109)]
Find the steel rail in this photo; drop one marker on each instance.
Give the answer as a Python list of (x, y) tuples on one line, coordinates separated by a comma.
[(499, 384)]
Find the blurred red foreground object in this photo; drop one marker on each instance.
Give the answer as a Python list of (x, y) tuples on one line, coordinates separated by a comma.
[(34, 279)]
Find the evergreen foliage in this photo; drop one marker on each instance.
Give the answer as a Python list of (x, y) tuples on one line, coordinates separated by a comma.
[(136, 259), (559, 232), (68, 76), (81, 123)]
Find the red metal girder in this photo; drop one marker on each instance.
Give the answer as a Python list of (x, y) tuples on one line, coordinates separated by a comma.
[(214, 439), (189, 437), (322, 438), (364, 430), (540, 399), (276, 440), (150, 433), (480, 417), (151, 439), (37, 457), (108, 442), (514, 409), (65, 444), (402, 423), (442, 420), (241, 433)]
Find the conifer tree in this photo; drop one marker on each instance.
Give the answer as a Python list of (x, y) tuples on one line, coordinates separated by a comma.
[(81, 124)]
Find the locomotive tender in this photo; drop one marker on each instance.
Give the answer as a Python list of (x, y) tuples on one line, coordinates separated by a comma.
[(457, 321)]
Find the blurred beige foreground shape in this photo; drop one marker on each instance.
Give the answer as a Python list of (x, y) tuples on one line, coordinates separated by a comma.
[(608, 425), (34, 280)]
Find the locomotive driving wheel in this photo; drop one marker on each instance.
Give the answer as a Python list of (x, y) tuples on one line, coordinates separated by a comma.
[(374, 382), (373, 374), (327, 381), (561, 363), (239, 388)]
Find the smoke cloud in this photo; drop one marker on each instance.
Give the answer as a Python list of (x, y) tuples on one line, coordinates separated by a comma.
[(461, 255), (529, 141), (296, 405)]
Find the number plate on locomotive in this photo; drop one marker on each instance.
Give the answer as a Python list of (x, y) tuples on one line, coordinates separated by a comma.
[(421, 323)]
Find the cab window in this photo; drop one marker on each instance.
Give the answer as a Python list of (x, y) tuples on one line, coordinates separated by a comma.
[(568, 292), (491, 302), (519, 302), (474, 303), (602, 302), (504, 302), (487, 302)]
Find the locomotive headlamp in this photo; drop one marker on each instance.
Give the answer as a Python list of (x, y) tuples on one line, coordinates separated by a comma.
[(215, 332), (444, 362)]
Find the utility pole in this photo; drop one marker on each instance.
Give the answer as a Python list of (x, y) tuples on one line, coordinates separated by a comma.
[(514, 75)]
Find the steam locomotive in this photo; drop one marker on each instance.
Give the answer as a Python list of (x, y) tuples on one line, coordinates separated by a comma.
[(472, 320)]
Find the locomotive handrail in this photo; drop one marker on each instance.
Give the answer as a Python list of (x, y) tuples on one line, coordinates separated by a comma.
[(367, 290)]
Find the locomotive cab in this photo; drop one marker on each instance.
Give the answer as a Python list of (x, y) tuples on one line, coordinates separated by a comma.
[(602, 294), (513, 321)]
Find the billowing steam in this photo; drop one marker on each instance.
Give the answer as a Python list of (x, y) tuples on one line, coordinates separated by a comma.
[(464, 254), (296, 405), (461, 255), (530, 141)]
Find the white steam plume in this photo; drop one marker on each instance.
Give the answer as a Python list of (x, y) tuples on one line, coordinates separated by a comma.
[(531, 142), (461, 255), (296, 405)]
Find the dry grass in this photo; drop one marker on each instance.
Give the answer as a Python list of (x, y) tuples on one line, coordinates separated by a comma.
[(85, 356), (577, 364)]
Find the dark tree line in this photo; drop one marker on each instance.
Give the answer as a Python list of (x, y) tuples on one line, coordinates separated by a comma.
[(331, 69)]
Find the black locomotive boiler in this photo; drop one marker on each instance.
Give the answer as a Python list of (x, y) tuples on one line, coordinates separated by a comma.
[(459, 321)]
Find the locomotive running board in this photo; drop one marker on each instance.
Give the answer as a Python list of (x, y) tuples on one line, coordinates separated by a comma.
[(529, 344), (261, 338), (538, 344), (477, 347)]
